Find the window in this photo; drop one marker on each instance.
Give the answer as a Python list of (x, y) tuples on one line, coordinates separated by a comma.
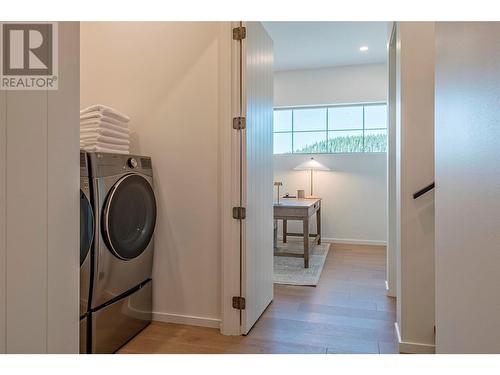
[(330, 129)]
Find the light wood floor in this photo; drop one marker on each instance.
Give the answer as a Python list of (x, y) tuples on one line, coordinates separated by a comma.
[(348, 312)]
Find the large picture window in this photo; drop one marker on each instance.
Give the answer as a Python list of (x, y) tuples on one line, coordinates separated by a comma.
[(330, 129)]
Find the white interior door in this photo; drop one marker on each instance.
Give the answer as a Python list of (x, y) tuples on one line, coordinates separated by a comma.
[(257, 270), (391, 167), (468, 187)]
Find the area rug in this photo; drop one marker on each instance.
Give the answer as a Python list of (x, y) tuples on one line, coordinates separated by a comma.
[(291, 271)]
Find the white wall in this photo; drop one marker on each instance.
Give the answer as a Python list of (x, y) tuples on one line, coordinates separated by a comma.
[(39, 185), (467, 181), (415, 170), (354, 192), (165, 76), (336, 85)]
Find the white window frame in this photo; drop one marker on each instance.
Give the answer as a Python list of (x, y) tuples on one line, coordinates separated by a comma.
[(327, 130)]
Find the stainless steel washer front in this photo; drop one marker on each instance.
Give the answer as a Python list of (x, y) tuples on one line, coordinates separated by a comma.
[(83, 334), (86, 234), (116, 323), (126, 207)]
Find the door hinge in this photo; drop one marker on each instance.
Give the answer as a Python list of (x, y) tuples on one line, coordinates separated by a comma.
[(239, 213), (239, 33), (239, 303), (239, 123)]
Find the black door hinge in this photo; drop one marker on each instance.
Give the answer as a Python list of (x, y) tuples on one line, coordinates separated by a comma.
[(239, 303), (239, 213), (239, 123), (239, 33)]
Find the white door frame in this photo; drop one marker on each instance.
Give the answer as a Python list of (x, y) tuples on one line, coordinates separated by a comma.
[(391, 281), (231, 273)]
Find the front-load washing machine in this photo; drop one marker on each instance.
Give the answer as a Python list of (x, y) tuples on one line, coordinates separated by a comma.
[(125, 206), (86, 240)]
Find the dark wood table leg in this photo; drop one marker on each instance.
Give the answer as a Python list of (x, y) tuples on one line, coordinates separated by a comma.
[(284, 231), (275, 234), (318, 225), (306, 242)]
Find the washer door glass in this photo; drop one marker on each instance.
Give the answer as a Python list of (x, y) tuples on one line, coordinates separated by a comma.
[(129, 217), (86, 226)]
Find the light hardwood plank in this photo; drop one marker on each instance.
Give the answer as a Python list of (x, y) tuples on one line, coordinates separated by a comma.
[(347, 313)]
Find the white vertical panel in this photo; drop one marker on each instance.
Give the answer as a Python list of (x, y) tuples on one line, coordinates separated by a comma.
[(467, 187), (415, 170), (26, 221), (63, 188), (3, 254), (258, 255), (39, 227)]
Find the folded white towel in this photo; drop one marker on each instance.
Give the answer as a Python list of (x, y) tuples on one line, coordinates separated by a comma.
[(106, 110), (103, 124), (103, 138), (95, 116), (91, 132), (105, 149)]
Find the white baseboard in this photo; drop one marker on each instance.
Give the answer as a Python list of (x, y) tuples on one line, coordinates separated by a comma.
[(348, 241), (186, 319), (390, 293), (413, 347), (352, 241)]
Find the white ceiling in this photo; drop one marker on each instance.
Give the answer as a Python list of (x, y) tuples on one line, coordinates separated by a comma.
[(310, 45)]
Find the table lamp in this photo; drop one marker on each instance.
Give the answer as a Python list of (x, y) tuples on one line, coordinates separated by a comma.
[(278, 184), (311, 165)]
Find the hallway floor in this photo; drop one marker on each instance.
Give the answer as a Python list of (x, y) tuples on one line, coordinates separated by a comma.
[(348, 312)]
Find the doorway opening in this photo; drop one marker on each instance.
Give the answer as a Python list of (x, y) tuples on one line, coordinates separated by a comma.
[(329, 155)]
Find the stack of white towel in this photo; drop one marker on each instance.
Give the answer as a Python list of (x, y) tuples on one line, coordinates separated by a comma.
[(104, 129)]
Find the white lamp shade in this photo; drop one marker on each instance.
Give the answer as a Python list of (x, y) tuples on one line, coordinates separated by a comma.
[(311, 164)]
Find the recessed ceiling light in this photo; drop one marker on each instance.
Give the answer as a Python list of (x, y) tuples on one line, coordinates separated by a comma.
[(363, 48)]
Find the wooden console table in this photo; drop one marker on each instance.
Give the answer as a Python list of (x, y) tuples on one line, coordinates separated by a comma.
[(299, 209)]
